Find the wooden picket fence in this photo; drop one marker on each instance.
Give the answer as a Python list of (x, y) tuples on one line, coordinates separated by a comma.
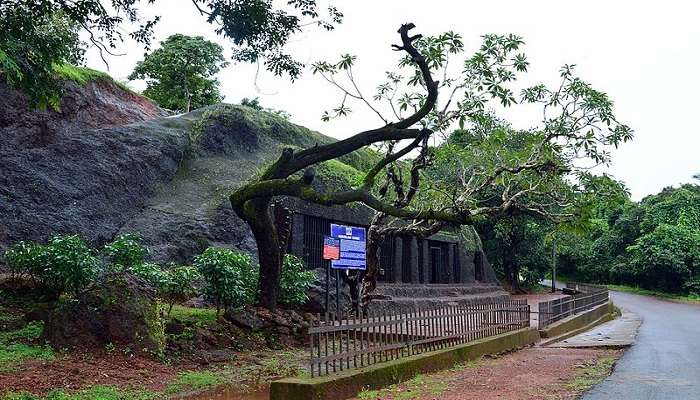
[(558, 309), (344, 342)]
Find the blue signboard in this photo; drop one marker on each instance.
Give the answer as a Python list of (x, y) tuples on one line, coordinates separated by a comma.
[(352, 247)]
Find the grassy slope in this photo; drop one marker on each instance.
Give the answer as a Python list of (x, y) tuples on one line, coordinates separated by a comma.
[(83, 75)]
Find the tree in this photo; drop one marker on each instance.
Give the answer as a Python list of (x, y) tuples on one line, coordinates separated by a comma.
[(30, 48), (578, 122), (258, 29), (181, 74)]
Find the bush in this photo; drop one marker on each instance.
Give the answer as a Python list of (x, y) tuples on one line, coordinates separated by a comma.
[(66, 263), (23, 258), (150, 273), (295, 281), (179, 285), (70, 265), (230, 278), (126, 252)]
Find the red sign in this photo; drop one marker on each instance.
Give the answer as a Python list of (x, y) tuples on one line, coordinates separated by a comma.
[(331, 248)]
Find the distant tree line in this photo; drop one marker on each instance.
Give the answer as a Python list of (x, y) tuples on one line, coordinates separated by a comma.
[(653, 244)]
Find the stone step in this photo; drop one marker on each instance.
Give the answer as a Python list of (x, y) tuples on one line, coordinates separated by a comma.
[(409, 304), (429, 291)]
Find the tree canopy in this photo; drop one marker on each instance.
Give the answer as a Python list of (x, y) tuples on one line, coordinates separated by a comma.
[(654, 243), (32, 40), (181, 74), (578, 123)]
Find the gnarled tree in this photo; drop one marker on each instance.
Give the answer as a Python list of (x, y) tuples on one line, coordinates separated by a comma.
[(418, 187)]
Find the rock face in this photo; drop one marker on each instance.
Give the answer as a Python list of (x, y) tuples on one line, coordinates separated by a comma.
[(122, 311), (112, 162)]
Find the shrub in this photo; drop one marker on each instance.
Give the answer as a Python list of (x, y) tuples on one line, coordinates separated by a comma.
[(152, 274), (179, 285), (70, 266), (126, 252), (230, 278), (25, 258), (295, 281)]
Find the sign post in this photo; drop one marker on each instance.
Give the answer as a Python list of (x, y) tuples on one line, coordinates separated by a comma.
[(351, 255), (331, 251)]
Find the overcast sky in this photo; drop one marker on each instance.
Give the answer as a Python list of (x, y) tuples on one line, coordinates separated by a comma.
[(645, 55)]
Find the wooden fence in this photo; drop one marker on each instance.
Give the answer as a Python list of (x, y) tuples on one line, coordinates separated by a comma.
[(356, 341), (558, 309)]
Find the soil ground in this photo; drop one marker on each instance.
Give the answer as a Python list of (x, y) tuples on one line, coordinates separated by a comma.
[(532, 373)]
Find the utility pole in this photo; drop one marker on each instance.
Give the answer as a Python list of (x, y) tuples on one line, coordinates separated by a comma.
[(554, 262)]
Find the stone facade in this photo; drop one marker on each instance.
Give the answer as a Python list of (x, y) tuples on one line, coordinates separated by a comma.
[(448, 265)]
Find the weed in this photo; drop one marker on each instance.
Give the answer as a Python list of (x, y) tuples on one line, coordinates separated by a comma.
[(591, 374)]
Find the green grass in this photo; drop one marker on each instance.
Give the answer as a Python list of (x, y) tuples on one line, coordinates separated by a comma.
[(83, 75), (194, 380), (99, 392), (15, 350), (198, 316), (592, 374), (418, 386)]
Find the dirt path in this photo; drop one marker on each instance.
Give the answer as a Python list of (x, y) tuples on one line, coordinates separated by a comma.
[(532, 373)]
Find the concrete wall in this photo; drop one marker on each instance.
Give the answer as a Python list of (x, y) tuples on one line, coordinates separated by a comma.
[(578, 321), (349, 383)]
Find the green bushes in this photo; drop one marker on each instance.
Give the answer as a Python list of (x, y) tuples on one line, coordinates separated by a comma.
[(126, 252), (230, 277), (65, 264), (295, 281), (179, 285)]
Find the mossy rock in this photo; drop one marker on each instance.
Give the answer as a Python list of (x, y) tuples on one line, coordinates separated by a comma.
[(122, 311)]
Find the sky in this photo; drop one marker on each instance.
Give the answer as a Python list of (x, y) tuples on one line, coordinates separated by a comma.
[(644, 55)]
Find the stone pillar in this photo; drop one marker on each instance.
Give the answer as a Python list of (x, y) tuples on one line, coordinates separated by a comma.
[(466, 264), (449, 270), (415, 262), (398, 259), (425, 262)]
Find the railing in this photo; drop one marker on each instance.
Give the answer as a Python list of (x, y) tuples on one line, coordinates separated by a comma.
[(558, 309), (352, 342)]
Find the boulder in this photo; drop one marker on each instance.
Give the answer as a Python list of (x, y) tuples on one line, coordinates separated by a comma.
[(122, 310), (247, 318)]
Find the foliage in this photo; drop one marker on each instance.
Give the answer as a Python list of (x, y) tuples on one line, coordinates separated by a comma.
[(65, 263), (25, 258), (179, 285), (229, 277), (150, 273), (428, 185), (180, 75), (654, 244), (70, 266), (35, 35), (32, 42), (126, 252), (255, 105), (295, 281)]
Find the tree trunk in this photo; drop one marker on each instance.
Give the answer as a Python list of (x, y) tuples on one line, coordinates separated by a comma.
[(258, 216)]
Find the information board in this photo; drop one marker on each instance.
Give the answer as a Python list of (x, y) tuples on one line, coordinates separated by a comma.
[(353, 253)]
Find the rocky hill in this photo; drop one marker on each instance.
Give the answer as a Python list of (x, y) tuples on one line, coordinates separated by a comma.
[(111, 161)]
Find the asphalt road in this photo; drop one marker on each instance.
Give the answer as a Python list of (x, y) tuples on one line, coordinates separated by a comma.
[(664, 362)]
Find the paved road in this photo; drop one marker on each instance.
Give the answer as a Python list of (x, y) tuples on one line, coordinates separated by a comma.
[(664, 363)]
